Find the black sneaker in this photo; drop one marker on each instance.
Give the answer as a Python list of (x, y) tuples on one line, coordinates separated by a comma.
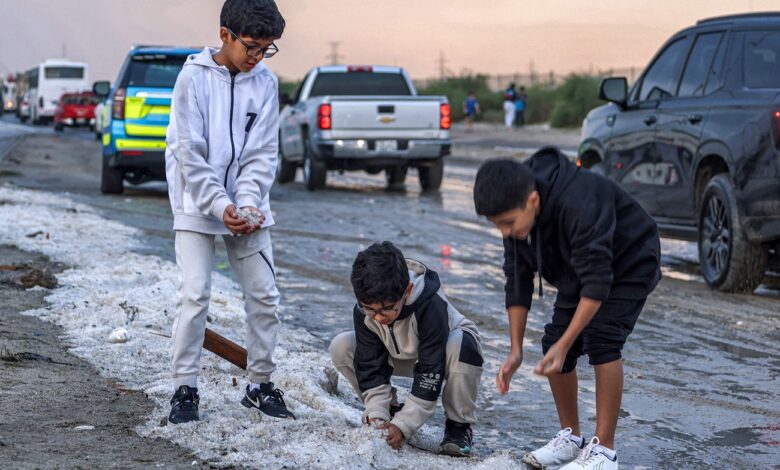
[(268, 400), (457, 440), (184, 405)]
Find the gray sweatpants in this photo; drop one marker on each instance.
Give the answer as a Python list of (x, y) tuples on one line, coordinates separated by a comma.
[(459, 396), (252, 260)]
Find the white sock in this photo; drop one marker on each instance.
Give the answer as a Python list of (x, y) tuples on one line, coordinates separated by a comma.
[(253, 386), (611, 454), (577, 440)]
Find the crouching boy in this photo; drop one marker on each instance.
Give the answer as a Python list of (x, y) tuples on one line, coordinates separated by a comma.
[(404, 326)]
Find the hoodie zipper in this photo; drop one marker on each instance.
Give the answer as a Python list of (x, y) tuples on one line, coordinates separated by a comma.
[(232, 144), (392, 335)]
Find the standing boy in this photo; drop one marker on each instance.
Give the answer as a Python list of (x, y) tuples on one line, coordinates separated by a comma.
[(600, 249), (470, 110), (222, 154), (405, 326)]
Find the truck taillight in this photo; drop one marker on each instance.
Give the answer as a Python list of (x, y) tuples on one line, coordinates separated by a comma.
[(118, 105), (360, 68), (323, 117), (444, 116)]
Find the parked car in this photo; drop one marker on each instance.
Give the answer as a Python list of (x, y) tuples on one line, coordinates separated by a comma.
[(75, 110), (24, 107), (363, 118), (99, 120), (696, 140), (8, 95), (140, 105)]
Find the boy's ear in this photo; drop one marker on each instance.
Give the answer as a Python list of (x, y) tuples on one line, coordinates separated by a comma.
[(533, 199), (224, 35), (409, 288)]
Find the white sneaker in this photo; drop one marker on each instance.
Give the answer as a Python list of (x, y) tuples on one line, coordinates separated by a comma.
[(593, 458), (559, 451)]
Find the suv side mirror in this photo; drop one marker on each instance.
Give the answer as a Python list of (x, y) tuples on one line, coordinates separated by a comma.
[(101, 89), (615, 90), (284, 99)]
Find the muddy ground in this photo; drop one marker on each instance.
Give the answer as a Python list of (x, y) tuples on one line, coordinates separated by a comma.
[(702, 367)]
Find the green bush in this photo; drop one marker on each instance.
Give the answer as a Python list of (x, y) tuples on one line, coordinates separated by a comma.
[(573, 99), (456, 89)]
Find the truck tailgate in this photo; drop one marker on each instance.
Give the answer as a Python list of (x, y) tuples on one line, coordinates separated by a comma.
[(384, 113)]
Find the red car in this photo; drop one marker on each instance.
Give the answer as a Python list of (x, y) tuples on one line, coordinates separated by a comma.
[(75, 110)]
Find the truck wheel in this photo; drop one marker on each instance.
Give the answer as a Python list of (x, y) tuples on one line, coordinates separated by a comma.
[(396, 175), (315, 173), (111, 179), (729, 261), (431, 176), (285, 171)]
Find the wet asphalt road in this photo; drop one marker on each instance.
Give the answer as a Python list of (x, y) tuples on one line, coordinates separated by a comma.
[(702, 368)]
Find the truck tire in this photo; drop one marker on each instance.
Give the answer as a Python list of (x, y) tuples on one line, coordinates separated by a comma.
[(432, 176), (729, 261), (396, 176), (111, 179), (315, 172), (285, 170)]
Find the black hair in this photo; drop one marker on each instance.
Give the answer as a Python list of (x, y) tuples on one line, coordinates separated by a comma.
[(258, 19), (502, 185), (379, 274)]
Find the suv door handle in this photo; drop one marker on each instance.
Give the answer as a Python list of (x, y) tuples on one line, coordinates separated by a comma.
[(695, 118), (650, 120)]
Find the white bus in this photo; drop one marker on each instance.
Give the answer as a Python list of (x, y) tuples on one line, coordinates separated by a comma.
[(50, 80)]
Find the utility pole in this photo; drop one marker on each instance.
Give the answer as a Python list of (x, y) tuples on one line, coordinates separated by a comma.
[(442, 65), (334, 55), (64, 50)]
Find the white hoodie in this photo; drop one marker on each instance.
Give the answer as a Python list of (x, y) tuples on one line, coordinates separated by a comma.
[(223, 142)]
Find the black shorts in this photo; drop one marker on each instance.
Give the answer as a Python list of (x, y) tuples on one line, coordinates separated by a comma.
[(603, 339)]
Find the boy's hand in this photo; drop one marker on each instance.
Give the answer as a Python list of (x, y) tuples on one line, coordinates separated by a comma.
[(255, 220), (233, 222), (507, 370), (552, 362), (395, 438)]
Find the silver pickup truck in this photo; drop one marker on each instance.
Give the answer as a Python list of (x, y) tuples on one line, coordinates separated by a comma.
[(348, 118)]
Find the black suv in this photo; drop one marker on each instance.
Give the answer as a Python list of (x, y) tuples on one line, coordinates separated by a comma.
[(696, 140)]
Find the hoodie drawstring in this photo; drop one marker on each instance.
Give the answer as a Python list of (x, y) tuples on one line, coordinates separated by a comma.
[(539, 260), (517, 281)]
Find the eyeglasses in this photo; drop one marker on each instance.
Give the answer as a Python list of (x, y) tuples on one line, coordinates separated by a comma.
[(257, 51), (385, 310)]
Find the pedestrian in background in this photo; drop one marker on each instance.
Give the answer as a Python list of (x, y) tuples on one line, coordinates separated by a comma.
[(470, 109), (520, 105), (510, 94)]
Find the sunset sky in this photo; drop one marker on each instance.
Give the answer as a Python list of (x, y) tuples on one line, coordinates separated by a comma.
[(489, 36)]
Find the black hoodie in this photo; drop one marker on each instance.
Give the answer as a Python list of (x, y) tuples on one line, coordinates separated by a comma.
[(590, 238)]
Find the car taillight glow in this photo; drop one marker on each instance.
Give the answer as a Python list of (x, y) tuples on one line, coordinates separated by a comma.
[(444, 116), (324, 117), (118, 105), (776, 128)]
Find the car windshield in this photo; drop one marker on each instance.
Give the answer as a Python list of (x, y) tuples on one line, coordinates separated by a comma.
[(154, 70), (82, 100), (359, 83)]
